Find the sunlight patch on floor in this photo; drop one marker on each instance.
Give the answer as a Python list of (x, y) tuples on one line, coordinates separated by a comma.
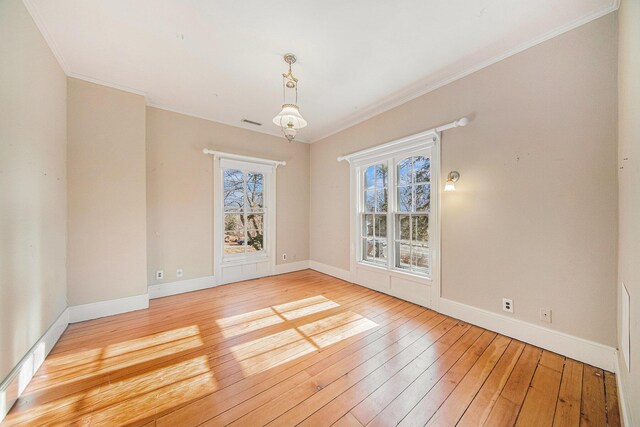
[(186, 388), (152, 340), (296, 341), (264, 317), (119, 390), (342, 332)]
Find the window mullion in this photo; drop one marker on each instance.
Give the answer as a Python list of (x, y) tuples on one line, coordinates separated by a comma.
[(244, 209), (391, 203)]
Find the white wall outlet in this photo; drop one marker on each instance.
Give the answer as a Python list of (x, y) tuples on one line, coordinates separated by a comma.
[(284, 257), (159, 274), (545, 315), (179, 272), (507, 305)]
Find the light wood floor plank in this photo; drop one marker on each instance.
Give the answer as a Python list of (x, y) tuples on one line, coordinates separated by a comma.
[(613, 408), (539, 405), (306, 349), (482, 404), (568, 407), (593, 405)]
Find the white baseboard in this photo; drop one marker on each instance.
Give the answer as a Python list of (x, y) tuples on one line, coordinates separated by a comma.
[(291, 267), (330, 270), (80, 313), (181, 286), (625, 411), (18, 379), (585, 351)]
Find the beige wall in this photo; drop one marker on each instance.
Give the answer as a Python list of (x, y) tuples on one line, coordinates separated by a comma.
[(33, 197), (107, 193), (180, 191), (534, 217), (629, 188)]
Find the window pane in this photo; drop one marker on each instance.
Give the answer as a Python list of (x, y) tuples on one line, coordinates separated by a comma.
[(403, 227), (255, 232), (233, 222), (381, 200), (255, 240), (255, 193), (381, 226), (381, 176), (420, 228), (370, 200), (367, 225), (404, 199), (423, 197), (381, 250), (420, 257), (368, 249), (421, 169), (404, 172), (234, 242), (369, 177), (403, 256), (233, 189), (255, 221), (233, 200)]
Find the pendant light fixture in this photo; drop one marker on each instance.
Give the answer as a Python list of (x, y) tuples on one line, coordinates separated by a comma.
[(289, 119)]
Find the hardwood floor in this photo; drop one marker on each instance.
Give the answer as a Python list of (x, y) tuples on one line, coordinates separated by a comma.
[(305, 349)]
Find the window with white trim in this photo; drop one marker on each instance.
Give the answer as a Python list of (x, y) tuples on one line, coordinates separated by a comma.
[(395, 208), (244, 212)]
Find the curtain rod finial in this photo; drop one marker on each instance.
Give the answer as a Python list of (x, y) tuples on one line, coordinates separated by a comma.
[(462, 122)]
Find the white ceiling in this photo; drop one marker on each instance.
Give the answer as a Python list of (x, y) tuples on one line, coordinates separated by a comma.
[(222, 60)]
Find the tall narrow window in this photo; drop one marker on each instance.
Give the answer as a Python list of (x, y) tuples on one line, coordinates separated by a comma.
[(375, 194), (413, 189), (244, 211)]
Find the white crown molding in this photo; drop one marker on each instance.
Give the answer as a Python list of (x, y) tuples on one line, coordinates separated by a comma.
[(108, 84), (95, 310), (590, 352), (257, 129), (423, 87), (46, 35), (12, 387)]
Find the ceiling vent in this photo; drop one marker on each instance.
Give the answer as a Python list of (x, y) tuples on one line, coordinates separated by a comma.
[(251, 122)]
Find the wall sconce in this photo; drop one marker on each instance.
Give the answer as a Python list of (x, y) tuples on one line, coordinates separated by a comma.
[(452, 178)]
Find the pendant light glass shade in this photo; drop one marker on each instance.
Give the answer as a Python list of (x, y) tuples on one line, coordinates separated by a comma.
[(290, 117)]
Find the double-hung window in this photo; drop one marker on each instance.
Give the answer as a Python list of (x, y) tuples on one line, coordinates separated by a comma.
[(244, 212), (395, 211)]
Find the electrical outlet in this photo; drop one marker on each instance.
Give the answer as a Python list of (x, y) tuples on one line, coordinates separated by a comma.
[(545, 315), (179, 272), (284, 257), (159, 275), (507, 305)]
